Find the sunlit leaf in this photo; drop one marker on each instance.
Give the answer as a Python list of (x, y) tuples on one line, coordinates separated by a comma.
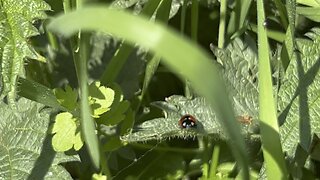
[(100, 98), (65, 133), (299, 96)]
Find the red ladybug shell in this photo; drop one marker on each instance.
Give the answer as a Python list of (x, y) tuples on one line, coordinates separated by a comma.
[(187, 121)]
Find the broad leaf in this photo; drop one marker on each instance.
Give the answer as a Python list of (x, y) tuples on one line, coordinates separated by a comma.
[(25, 145), (16, 28), (299, 95)]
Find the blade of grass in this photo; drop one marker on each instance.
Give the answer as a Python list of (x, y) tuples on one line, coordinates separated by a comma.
[(162, 15), (222, 23), (183, 16), (221, 41), (245, 6), (271, 145), (119, 59), (288, 48), (312, 3), (194, 36), (275, 35), (194, 65), (214, 162), (238, 18), (312, 13), (39, 93), (282, 12), (194, 20), (86, 122)]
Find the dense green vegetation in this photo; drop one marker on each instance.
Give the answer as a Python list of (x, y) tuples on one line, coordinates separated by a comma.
[(159, 89)]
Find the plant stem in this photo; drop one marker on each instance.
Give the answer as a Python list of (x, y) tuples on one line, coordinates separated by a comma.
[(222, 23), (183, 16), (214, 162)]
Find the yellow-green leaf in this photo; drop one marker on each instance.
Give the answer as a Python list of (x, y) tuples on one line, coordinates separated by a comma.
[(100, 98), (65, 136)]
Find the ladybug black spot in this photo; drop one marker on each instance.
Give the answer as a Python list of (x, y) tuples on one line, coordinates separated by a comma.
[(187, 121)]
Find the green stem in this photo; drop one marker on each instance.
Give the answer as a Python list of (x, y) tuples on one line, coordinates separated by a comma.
[(67, 6), (194, 20), (214, 162), (194, 37), (222, 23), (183, 16)]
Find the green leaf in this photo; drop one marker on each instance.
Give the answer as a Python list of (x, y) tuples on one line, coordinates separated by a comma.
[(299, 96), (25, 146), (99, 177), (116, 115), (15, 29), (67, 98), (100, 98), (39, 93), (174, 108), (117, 110), (112, 144), (65, 133)]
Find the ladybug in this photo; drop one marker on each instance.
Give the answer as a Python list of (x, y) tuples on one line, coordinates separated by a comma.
[(187, 121)]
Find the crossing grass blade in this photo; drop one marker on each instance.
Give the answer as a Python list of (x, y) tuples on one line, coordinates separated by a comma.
[(271, 145)]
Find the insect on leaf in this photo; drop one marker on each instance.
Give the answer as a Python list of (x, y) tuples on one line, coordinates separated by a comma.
[(239, 71)]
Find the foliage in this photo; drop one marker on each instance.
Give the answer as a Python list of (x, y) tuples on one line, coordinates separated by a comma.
[(116, 94)]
